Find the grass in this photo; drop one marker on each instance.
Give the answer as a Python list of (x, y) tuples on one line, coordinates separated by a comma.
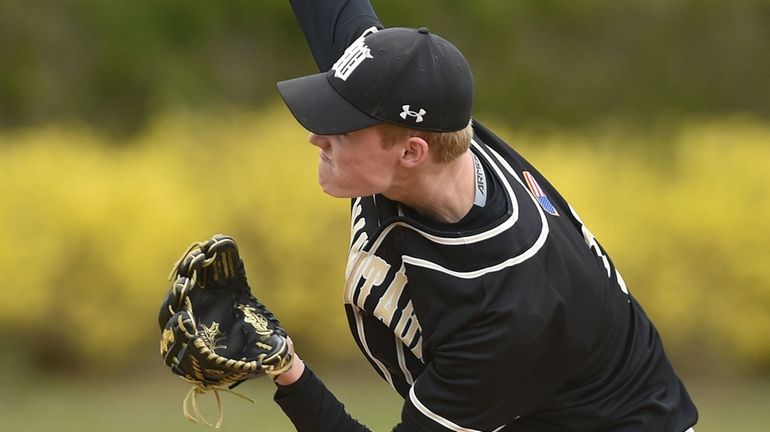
[(732, 406), (153, 402)]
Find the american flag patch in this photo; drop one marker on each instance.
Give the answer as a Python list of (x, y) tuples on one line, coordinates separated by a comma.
[(539, 195)]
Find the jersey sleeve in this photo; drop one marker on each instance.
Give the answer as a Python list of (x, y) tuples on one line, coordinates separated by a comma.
[(330, 26), (312, 407)]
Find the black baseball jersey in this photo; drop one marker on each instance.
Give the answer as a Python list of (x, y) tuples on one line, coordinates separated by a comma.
[(515, 319)]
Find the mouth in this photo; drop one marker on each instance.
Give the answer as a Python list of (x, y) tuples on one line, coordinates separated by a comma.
[(325, 158)]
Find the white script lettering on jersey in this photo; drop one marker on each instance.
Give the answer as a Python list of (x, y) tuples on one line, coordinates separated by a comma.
[(353, 56), (366, 271), (594, 246)]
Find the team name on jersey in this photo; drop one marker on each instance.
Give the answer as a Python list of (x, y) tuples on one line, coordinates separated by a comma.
[(365, 275)]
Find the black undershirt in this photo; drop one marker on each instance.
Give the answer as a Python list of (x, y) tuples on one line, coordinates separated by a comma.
[(311, 407)]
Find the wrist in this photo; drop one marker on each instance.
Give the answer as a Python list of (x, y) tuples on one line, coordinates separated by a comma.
[(293, 374)]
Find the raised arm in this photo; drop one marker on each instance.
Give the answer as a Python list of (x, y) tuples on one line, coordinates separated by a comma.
[(331, 25)]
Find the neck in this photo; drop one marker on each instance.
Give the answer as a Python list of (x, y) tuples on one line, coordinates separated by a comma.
[(441, 191)]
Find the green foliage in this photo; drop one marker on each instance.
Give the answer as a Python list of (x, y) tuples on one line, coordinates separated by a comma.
[(90, 230), (114, 64)]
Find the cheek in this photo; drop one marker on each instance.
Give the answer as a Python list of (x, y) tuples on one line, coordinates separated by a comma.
[(353, 178), (374, 174)]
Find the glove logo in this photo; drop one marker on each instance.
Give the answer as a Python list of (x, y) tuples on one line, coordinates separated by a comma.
[(166, 339), (211, 335), (256, 320)]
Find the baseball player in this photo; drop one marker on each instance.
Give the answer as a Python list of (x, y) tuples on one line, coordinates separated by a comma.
[(472, 287)]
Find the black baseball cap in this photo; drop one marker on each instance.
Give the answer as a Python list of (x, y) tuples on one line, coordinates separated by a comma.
[(405, 76)]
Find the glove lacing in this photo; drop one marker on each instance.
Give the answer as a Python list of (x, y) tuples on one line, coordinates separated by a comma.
[(175, 268), (191, 401)]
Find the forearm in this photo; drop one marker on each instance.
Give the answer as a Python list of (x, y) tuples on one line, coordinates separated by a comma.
[(311, 406), (331, 25)]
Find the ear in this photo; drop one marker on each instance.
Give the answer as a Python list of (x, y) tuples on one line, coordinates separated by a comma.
[(415, 151)]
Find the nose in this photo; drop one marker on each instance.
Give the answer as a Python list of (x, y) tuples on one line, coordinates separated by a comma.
[(318, 140)]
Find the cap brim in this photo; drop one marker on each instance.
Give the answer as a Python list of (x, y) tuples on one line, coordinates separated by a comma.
[(320, 109)]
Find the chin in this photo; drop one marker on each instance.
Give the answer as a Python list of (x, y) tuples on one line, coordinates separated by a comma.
[(332, 192), (337, 193), (338, 189)]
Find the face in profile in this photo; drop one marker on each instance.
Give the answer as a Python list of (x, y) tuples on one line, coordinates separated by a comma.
[(355, 164)]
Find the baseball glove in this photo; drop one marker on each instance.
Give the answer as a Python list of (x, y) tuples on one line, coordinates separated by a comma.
[(214, 332)]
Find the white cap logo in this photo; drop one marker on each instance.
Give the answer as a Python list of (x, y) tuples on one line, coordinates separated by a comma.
[(353, 56), (407, 112)]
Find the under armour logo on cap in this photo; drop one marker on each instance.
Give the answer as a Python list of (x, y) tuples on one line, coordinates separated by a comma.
[(416, 114)]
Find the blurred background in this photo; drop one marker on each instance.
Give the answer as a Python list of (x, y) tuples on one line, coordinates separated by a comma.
[(129, 130)]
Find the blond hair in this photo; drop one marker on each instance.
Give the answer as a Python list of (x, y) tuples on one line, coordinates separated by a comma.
[(445, 146)]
